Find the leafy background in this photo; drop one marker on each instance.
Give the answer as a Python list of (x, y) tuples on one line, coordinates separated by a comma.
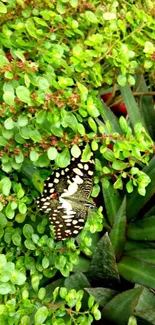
[(58, 60)]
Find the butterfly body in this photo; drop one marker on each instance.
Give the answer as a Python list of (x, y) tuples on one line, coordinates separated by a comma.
[(65, 197)]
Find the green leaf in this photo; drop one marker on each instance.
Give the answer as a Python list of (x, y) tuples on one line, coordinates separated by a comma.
[(9, 123), (91, 301), (75, 151), (65, 82), (36, 136), (7, 272), (137, 271), (76, 281), (63, 292), (3, 141), (96, 312), (107, 116), (42, 83), (19, 158), (41, 315), (82, 266), (122, 306), (83, 91), (118, 184), (137, 201), (52, 153), (81, 129), (146, 301), (73, 3), (20, 217), (41, 116), (70, 120), (3, 260), (86, 154), (38, 182), (112, 200), (9, 212), (108, 155), (8, 95), (60, 7), (119, 165), (5, 185), (29, 244), (22, 121), (147, 107), (57, 131), (95, 191), (122, 80), (28, 231), (91, 108), (23, 94), (18, 278), (34, 155), (142, 229), (63, 158), (129, 186), (22, 207), (41, 293), (3, 8), (16, 239), (3, 220), (92, 124), (43, 160), (5, 288), (131, 105), (101, 295), (103, 265), (90, 16), (145, 255), (118, 231), (35, 281), (30, 26)]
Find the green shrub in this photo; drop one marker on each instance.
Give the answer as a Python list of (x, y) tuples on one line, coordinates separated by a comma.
[(57, 58)]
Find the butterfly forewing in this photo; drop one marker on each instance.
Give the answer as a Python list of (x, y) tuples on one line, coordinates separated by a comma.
[(65, 197)]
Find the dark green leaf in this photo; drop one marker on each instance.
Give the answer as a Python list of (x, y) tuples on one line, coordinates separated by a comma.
[(108, 115), (103, 266), (142, 229), (76, 281), (112, 200), (137, 271), (122, 306), (101, 295), (38, 182), (118, 232), (131, 105)]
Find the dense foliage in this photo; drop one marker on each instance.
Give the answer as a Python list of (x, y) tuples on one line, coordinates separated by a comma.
[(58, 60)]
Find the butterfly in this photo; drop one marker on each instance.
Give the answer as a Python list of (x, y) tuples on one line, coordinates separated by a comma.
[(65, 197)]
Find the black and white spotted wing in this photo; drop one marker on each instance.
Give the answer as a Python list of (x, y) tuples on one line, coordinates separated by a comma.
[(65, 197)]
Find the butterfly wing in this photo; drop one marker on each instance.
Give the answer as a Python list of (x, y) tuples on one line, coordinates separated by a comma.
[(67, 218), (68, 210)]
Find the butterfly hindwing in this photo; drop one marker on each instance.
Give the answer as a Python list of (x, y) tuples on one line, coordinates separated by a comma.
[(68, 221)]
